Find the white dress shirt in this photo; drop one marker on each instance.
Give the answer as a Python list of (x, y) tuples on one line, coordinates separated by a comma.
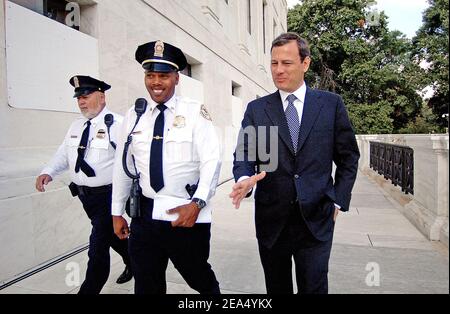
[(191, 154), (298, 103), (99, 153)]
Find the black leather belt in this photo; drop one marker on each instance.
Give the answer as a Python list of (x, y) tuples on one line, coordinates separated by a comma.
[(87, 190)]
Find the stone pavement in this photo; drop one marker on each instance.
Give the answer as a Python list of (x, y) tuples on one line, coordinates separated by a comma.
[(372, 238)]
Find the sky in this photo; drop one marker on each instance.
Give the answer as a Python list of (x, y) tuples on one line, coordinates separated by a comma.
[(403, 15)]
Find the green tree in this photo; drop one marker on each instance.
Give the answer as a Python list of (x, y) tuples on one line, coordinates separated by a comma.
[(372, 119), (431, 45), (425, 122), (355, 55)]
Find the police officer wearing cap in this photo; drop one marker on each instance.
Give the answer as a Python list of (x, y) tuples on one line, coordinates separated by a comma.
[(88, 153), (177, 156)]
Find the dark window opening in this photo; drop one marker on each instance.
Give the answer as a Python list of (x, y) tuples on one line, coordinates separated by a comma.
[(187, 70), (235, 89)]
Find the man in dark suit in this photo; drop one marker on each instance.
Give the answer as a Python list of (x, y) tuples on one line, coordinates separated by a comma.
[(296, 199)]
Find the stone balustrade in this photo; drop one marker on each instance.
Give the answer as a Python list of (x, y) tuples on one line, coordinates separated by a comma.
[(427, 209)]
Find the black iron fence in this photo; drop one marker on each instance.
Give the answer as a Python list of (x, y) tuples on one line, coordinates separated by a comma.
[(395, 163)]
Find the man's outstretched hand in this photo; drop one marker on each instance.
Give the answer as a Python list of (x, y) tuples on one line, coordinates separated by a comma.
[(241, 189)]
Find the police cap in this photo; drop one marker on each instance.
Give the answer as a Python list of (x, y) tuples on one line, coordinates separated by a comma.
[(157, 56), (85, 85)]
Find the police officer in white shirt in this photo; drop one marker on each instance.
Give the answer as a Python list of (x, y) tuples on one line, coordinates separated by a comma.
[(177, 156), (88, 153)]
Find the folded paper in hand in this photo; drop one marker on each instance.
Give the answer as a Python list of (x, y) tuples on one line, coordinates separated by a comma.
[(162, 203)]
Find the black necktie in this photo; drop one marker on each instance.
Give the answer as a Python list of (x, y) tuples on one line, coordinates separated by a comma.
[(81, 163), (156, 160)]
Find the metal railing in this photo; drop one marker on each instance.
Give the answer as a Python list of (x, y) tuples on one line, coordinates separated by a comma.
[(395, 163)]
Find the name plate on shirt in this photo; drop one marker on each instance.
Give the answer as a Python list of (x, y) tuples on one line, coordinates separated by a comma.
[(162, 203)]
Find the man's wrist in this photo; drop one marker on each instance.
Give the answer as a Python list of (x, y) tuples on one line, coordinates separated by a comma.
[(199, 203), (242, 179)]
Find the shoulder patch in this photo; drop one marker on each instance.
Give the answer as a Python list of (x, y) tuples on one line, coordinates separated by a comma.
[(204, 113)]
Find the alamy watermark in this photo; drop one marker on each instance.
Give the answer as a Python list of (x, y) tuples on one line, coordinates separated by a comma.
[(73, 275), (373, 278), (372, 17), (253, 144), (73, 18)]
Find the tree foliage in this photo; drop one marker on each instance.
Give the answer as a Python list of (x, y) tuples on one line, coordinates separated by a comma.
[(431, 46), (355, 54)]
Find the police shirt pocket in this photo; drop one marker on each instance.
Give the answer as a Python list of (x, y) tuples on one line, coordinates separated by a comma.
[(97, 148), (179, 135), (73, 142), (99, 143), (141, 137), (178, 145), (72, 147), (140, 143)]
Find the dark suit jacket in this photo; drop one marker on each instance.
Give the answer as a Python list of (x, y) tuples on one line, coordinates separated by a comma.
[(326, 135)]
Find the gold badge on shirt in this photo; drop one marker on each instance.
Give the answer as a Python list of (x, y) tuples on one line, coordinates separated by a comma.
[(179, 122), (101, 134)]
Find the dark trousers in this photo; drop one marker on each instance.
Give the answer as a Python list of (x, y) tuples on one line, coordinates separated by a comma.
[(310, 257), (98, 209), (152, 243)]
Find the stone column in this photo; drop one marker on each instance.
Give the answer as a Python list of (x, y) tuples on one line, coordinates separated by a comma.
[(440, 148), (364, 150), (429, 208)]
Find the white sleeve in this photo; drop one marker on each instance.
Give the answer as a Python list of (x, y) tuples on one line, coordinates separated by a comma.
[(206, 143), (242, 178), (121, 182), (60, 162)]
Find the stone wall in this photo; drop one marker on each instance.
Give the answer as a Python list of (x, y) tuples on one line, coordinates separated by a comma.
[(427, 209)]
